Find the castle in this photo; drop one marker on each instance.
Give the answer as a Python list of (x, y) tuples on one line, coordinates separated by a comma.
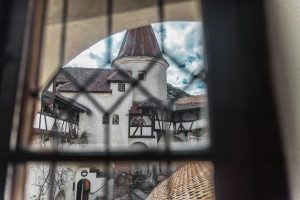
[(125, 107)]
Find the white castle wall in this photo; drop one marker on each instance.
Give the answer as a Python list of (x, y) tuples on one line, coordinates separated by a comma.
[(156, 79), (97, 184), (92, 123), (151, 143)]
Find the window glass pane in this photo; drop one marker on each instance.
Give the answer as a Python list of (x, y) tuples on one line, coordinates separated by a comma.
[(152, 76), (141, 76), (115, 180), (121, 87), (115, 119), (167, 110), (159, 69)]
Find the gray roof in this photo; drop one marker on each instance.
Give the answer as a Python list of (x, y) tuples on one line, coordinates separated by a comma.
[(49, 97), (72, 79), (191, 102), (181, 104)]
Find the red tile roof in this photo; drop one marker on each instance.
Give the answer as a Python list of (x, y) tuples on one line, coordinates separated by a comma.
[(120, 76), (192, 181), (98, 79), (185, 103), (150, 103), (140, 41), (190, 102)]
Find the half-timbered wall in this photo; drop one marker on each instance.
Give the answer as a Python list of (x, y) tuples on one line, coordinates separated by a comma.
[(140, 125), (45, 122)]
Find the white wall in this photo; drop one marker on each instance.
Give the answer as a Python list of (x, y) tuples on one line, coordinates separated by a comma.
[(197, 124), (151, 143), (92, 123), (156, 78), (96, 183)]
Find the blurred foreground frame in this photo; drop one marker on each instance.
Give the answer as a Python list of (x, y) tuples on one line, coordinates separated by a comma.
[(239, 150)]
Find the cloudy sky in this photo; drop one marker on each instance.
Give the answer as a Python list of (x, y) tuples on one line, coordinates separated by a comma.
[(183, 49)]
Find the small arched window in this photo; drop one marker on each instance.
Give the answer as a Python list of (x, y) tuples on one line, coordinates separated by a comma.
[(115, 119), (83, 189), (105, 119)]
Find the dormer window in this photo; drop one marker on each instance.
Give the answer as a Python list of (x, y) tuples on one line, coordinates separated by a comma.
[(121, 87), (141, 76)]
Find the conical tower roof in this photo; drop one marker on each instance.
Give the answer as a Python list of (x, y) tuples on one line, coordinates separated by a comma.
[(140, 41)]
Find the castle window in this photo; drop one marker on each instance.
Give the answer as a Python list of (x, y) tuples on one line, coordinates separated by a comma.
[(83, 189), (105, 119), (115, 119), (121, 87), (141, 76)]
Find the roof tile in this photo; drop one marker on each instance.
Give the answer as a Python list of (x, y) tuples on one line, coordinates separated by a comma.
[(140, 41), (92, 79)]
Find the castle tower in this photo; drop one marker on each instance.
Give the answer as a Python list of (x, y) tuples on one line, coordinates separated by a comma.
[(140, 53)]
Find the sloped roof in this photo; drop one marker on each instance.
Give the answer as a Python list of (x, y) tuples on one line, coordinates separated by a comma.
[(192, 181), (72, 103), (150, 103), (190, 102), (120, 76), (97, 78), (181, 104), (140, 41), (100, 82), (48, 98)]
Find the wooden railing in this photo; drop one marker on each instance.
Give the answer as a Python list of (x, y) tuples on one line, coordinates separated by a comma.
[(46, 122)]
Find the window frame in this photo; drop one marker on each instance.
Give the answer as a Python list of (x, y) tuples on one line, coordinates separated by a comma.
[(236, 162), (121, 87), (105, 119), (117, 119), (143, 73)]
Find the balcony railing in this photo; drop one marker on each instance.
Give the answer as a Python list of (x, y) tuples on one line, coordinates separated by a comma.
[(47, 122)]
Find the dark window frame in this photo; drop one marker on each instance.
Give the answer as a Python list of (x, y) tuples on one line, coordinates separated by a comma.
[(143, 74), (121, 87), (105, 118), (237, 55), (115, 119)]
